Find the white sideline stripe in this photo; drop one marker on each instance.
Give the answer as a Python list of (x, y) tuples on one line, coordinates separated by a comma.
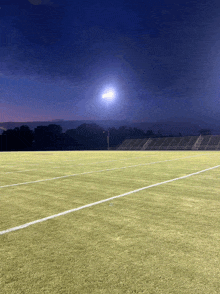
[(99, 202), (20, 171), (11, 172), (77, 164), (98, 171), (115, 160)]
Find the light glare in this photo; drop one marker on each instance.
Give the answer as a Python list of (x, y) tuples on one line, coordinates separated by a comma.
[(108, 95)]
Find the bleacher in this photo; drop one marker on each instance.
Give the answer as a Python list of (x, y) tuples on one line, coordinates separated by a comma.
[(132, 144), (214, 143), (148, 141), (154, 145), (208, 142), (138, 144), (205, 142), (124, 145), (167, 144), (188, 142), (171, 143)]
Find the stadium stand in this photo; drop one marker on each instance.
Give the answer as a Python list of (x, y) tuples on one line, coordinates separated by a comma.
[(197, 143), (148, 141), (187, 142), (156, 145), (205, 142), (138, 144), (124, 145), (171, 143), (208, 142), (142, 143), (151, 144), (214, 143), (167, 144), (135, 144)]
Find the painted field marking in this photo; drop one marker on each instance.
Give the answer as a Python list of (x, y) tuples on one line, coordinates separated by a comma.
[(122, 159), (74, 165), (101, 201), (91, 172), (19, 171), (77, 164)]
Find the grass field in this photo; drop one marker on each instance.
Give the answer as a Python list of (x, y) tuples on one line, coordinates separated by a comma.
[(162, 239)]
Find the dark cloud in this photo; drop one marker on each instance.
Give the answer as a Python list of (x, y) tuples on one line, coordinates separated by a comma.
[(149, 49)]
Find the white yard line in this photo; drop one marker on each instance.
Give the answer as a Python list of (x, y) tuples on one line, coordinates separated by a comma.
[(19, 171), (101, 201), (11, 172), (77, 164), (91, 172), (122, 159)]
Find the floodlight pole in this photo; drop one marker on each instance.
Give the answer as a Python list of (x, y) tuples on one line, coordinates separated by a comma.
[(108, 140)]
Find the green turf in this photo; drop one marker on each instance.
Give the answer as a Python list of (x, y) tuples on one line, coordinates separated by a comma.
[(165, 239)]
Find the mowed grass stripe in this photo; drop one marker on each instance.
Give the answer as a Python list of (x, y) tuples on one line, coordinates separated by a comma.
[(61, 165), (25, 203), (102, 201), (160, 240), (69, 160), (98, 171)]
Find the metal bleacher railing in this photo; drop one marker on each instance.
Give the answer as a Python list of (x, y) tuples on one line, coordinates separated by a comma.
[(213, 143), (205, 142), (208, 142)]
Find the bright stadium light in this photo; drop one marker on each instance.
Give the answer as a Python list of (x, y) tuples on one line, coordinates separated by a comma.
[(108, 95)]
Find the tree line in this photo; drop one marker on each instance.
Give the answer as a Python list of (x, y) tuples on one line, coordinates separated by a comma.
[(84, 137)]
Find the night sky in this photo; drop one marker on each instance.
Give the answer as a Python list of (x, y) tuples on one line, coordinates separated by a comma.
[(161, 58)]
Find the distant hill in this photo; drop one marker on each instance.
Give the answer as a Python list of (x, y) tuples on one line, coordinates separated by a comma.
[(166, 128)]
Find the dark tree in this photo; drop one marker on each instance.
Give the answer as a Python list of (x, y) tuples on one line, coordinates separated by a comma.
[(84, 137), (48, 137), (55, 129), (90, 137), (70, 139), (124, 132), (149, 133), (18, 139), (27, 135), (137, 134), (205, 132)]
